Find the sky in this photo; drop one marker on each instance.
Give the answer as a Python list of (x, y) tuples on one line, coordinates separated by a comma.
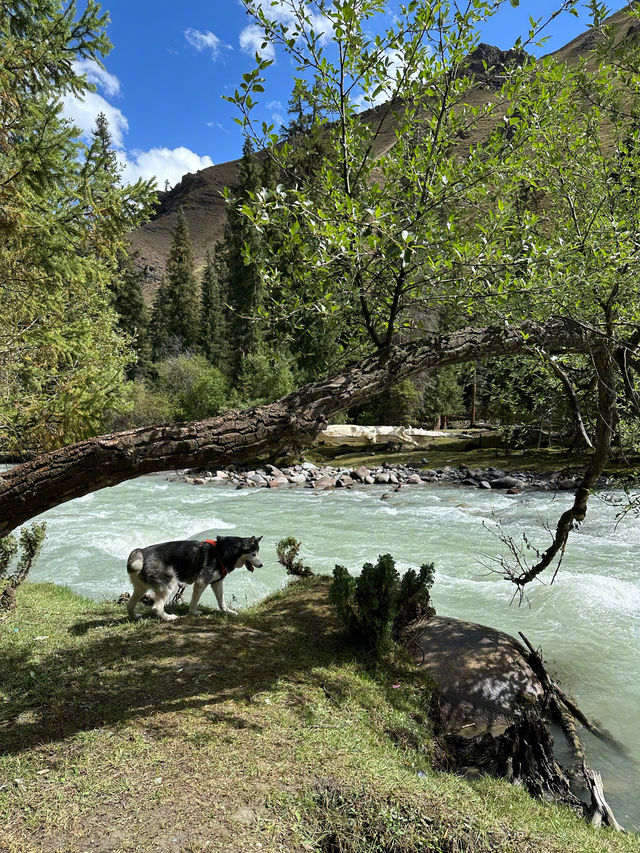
[(172, 63)]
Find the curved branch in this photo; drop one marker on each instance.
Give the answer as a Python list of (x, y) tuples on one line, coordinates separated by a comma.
[(295, 420), (571, 518), (571, 394)]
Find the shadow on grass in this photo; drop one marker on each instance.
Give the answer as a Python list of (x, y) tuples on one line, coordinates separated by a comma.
[(115, 671)]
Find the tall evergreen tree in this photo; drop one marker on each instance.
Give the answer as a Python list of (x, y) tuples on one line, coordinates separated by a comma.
[(133, 314), (246, 291), (177, 302), (64, 216), (214, 319)]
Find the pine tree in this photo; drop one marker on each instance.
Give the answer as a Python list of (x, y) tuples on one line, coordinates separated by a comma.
[(177, 303), (214, 319), (245, 289), (64, 216), (133, 315)]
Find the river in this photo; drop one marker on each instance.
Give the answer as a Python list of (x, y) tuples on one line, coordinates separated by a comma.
[(587, 622)]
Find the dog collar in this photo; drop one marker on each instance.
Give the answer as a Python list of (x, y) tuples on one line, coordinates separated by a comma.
[(215, 545)]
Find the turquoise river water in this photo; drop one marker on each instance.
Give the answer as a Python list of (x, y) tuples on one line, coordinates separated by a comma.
[(587, 622)]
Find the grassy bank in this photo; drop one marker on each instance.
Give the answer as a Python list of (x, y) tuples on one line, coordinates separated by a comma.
[(259, 732)]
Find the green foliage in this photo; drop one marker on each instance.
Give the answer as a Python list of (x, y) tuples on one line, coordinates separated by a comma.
[(195, 388), (267, 374), (145, 404), (414, 600), (133, 315), (176, 310), (377, 603), (26, 548), (214, 321), (182, 388), (400, 405), (442, 395), (287, 551), (64, 216)]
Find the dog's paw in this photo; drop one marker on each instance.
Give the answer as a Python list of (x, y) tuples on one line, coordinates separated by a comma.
[(167, 617), (230, 611), (195, 613)]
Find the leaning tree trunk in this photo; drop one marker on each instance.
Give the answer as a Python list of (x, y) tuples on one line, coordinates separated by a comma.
[(293, 421)]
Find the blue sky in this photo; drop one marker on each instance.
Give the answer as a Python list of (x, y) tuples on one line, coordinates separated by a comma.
[(172, 63)]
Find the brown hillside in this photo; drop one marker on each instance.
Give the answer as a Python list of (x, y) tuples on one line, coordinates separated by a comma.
[(201, 194)]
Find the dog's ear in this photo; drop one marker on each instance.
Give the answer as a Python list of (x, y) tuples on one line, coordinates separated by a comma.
[(257, 540)]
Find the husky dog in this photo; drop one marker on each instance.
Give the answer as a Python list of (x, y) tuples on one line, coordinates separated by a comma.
[(162, 567)]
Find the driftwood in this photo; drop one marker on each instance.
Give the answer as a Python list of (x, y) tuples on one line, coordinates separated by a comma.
[(566, 712)]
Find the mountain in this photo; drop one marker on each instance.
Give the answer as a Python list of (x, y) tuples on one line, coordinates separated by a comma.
[(200, 195)]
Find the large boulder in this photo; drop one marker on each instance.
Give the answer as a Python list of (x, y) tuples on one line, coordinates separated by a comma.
[(482, 674), (491, 705)]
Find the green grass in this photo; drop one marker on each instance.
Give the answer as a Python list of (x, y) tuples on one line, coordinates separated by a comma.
[(260, 732)]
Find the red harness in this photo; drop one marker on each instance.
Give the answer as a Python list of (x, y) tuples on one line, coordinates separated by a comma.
[(213, 542)]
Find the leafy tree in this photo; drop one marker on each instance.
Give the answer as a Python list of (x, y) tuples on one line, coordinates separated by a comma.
[(195, 388), (515, 201), (64, 216)]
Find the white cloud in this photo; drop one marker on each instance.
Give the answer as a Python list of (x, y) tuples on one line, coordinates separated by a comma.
[(252, 40), (206, 41), (84, 110), (163, 164), (94, 73), (252, 37)]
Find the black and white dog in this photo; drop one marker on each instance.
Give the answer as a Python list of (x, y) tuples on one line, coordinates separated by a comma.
[(162, 567)]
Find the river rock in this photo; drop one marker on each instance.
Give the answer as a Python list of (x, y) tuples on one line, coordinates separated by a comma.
[(324, 482), (414, 479), (506, 482), (343, 481), (279, 480), (383, 478), (567, 484), (360, 473), (484, 484)]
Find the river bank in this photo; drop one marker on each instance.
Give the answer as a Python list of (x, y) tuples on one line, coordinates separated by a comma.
[(393, 474), (246, 734)]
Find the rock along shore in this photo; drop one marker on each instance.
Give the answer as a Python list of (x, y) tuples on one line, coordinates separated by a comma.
[(321, 477)]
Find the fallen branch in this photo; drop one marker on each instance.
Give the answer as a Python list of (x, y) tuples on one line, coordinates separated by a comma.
[(566, 711)]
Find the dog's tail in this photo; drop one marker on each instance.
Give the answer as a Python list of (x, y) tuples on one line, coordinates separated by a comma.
[(135, 561)]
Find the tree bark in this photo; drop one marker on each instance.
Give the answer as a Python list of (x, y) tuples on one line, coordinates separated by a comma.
[(293, 421)]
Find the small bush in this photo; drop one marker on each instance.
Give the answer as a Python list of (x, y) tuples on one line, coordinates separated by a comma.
[(414, 599), (287, 551), (376, 605), (26, 548)]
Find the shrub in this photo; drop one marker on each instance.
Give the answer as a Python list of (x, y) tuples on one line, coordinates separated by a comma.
[(376, 605), (195, 388), (287, 551), (26, 548), (267, 374)]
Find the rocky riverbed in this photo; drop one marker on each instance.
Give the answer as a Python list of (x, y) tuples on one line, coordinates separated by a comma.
[(311, 476)]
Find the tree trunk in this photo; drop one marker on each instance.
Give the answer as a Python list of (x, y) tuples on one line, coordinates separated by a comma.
[(294, 421)]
